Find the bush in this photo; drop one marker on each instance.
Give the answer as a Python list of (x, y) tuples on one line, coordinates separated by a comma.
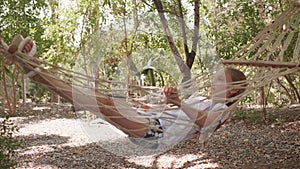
[(8, 144)]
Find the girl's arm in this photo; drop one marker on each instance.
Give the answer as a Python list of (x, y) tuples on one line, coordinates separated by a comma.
[(202, 119), (172, 97)]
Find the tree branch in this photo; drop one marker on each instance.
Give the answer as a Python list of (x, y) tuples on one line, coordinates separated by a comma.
[(182, 25)]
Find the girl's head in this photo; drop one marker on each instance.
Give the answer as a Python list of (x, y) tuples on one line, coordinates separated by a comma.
[(227, 83), (238, 81)]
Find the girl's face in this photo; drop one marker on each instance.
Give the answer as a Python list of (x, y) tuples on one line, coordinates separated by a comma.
[(219, 87)]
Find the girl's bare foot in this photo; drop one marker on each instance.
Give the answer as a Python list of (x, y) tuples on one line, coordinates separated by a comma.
[(28, 46), (21, 44)]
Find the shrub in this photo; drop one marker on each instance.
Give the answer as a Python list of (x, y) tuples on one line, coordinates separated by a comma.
[(8, 144)]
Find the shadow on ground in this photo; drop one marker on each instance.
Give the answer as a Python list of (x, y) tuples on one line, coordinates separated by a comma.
[(239, 144)]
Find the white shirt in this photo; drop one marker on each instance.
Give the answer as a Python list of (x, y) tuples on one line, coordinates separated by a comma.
[(177, 125)]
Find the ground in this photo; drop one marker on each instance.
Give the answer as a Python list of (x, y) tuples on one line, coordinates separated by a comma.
[(53, 137)]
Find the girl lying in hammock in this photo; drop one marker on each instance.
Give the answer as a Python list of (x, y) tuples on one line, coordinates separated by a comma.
[(193, 117)]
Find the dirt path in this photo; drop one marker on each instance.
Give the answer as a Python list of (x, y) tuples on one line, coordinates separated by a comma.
[(54, 138)]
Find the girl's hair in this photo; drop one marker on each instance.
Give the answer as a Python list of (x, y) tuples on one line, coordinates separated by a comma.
[(238, 78)]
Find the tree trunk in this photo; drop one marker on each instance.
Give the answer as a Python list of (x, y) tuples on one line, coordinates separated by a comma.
[(24, 90), (263, 104), (284, 88), (185, 70), (290, 81)]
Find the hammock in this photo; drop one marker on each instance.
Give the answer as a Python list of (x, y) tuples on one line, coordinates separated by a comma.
[(263, 60)]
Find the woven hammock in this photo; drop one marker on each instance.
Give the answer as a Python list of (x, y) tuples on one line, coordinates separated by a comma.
[(263, 60)]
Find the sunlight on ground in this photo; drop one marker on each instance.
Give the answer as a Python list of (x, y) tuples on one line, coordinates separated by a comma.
[(70, 132), (33, 165), (175, 161), (57, 127), (41, 108)]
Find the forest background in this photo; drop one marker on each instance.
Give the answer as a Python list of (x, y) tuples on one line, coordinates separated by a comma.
[(190, 34)]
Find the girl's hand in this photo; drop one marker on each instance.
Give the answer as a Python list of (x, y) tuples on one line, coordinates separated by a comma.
[(171, 94)]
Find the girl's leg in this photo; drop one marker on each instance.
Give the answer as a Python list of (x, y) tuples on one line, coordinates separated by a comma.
[(99, 104), (104, 104)]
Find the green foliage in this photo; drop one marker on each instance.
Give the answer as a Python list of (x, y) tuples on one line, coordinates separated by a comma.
[(236, 23), (249, 115), (257, 115), (8, 144), (273, 116), (38, 93), (21, 17), (231, 37), (120, 29)]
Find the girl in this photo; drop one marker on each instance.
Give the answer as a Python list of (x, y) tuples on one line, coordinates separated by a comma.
[(194, 116)]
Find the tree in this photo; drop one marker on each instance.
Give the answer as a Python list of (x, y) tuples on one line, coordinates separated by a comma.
[(176, 8), (18, 17)]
